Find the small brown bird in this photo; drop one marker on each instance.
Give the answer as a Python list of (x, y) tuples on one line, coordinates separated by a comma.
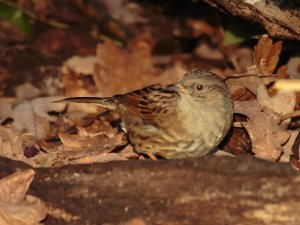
[(187, 119)]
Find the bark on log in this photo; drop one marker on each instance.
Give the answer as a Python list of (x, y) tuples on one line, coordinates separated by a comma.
[(210, 190), (279, 18)]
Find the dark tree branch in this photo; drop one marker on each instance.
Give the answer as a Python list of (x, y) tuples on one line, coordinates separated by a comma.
[(279, 18)]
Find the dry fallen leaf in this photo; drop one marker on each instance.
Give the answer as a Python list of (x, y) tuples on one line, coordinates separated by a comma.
[(252, 82), (26, 91), (99, 142), (282, 102), (80, 65), (99, 136), (263, 128), (15, 207), (129, 153), (91, 144), (33, 115), (266, 55), (119, 71), (115, 71), (13, 143), (121, 11), (77, 80)]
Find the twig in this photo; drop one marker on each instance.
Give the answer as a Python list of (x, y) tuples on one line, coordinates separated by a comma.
[(246, 74), (251, 72), (290, 115)]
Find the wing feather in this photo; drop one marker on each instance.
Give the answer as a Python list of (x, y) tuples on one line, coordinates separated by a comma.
[(151, 104)]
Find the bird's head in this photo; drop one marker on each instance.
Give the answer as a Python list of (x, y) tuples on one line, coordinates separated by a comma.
[(202, 85)]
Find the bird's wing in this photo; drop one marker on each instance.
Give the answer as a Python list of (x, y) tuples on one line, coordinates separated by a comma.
[(151, 104)]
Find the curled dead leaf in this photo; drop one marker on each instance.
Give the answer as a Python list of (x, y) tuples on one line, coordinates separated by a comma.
[(91, 144), (266, 55), (15, 207)]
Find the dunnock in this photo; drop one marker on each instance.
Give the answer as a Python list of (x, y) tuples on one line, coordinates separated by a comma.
[(187, 119)]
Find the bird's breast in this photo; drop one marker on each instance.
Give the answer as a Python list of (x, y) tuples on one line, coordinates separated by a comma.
[(192, 130), (206, 121)]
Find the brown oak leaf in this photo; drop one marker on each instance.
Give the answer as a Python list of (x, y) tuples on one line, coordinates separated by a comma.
[(263, 128)]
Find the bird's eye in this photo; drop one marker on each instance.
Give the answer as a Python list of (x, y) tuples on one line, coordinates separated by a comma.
[(199, 87)]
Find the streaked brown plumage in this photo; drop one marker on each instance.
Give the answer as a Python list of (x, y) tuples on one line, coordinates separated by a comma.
[(187, 119)]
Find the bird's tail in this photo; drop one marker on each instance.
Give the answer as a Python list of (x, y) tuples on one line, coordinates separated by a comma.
[(108, 103)]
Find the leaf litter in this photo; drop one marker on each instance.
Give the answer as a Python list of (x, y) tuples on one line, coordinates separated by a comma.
[(43, 134), (268, 133), (58, 133)]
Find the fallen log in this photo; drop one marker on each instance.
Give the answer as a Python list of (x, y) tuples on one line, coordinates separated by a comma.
[(208, 190)]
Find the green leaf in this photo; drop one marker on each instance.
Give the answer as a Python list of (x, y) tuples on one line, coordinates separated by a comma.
[(231, 38), (237, 30), (16, 18)]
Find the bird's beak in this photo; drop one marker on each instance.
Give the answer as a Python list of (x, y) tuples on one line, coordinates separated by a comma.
[(173, 88)]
